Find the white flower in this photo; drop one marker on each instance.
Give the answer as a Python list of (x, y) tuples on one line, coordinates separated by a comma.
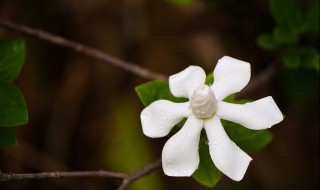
[(205, 108)]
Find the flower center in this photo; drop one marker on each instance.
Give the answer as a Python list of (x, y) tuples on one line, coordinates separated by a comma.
[(203, 102)]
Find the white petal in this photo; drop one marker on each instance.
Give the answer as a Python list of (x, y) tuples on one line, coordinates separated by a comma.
[(230, 76), (260, 114), (225, 154), (180, 155), (185, 82), (159, 117)]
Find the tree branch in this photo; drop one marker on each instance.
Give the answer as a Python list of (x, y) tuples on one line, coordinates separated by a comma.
[(127, 179), (60, 175), (138, 174), (81, 48)]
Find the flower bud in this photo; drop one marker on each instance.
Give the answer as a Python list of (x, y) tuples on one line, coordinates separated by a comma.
[(203, 102)]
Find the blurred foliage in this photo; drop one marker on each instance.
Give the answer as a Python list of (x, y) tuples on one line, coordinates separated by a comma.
[(294, 34), (13, 109), (300, 88), (248, 140), (295, 40), (180, 2), (126, 149)]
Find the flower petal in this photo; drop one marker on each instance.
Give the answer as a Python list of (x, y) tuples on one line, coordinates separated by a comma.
[(230, 76), (260, 114), (225, 154), (185, 82), (159, 117), (180, 155)]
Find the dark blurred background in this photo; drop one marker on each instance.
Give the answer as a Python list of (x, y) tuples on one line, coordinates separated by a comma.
[(84, 114)]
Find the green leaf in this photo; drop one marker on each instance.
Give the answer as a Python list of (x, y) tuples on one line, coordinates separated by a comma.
[(13, 109), (285, 36), (156, 90), (209, 79), (207, 174), (306, 57), (12, 53), (311, 20), (255, 142), (268, 42), (7, 137), (248, 140), (242, 101), (292, 59), (286, 13), (230, 98), (309, 57), (180, 2)]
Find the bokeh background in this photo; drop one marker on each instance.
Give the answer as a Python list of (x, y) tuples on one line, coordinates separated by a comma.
[(84, 114)]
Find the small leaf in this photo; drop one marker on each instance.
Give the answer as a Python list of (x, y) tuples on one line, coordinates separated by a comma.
[(13, 109), (242, 101), (292, 59), (207, 174), (267, 42), (285, 36), (248, 140), (7, 137), (12, 53), (209, 79), (286, 13), (306, 57), (309, 58), (230, 98), (311, 20), (156, 90)]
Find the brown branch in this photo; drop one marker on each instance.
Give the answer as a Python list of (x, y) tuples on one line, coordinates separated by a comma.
[(127, 179), (138, 174), (81, 48), (60, 175)]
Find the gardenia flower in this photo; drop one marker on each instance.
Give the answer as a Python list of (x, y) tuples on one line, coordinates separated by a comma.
[(205, 109)]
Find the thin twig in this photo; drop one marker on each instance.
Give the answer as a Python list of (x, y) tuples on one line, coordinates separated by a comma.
[(59, 175), (81, 48), (127, 179), (138, 174)]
